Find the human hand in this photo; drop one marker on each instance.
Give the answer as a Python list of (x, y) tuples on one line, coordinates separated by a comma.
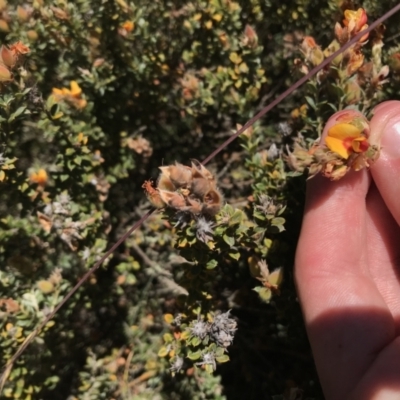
[(348, 272)]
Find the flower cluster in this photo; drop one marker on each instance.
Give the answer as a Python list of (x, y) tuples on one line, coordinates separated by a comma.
[(220, 331), (189, 190), (354, 22), (352, 61), (203, 341), (345, 142), (57, 216), (344, 145)]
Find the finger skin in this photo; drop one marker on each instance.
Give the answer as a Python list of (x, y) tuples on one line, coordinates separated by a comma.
[(384, 252), (347, 320), (385, 131)]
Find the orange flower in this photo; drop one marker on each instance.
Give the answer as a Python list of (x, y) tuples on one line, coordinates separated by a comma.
[(355, 63), (356, 21), (19, 48), (345, 139), (128, 26), (40, 177)]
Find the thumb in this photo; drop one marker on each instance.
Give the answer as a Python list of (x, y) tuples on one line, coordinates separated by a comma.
[(385, 131)]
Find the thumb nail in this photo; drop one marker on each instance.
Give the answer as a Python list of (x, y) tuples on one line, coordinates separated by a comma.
[(385, 129)]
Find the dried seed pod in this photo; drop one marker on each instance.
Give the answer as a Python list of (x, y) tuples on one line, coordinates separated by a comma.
[(180, 175), (212, 202), (194, 206), (153, 195), (203, 179), (199, 170), (173, 199), (200, 187), (164, 182)]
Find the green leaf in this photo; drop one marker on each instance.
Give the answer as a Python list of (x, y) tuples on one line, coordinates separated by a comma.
[(211, 264), (222, 359), (235, 256), (236, 218), (278, 221), (209, 368), (194, 355), (17, 113), (195, 341), (163, 352), (230, 241), (264, 293), (311, 102)]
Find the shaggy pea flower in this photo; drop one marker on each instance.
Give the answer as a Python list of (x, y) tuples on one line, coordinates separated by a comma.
[(356, 21), (345, 144), (72, 95), (345, 139)]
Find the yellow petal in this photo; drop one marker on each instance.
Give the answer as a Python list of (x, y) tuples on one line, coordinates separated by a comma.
[(57, 91), (75, 89), (337, 146), (343, 131)]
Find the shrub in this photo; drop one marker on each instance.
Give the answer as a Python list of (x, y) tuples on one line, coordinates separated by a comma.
[(95, 96)]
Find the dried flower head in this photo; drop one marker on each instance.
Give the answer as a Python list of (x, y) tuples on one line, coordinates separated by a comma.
[(140, 145), (250, 38), (204, 229), (199, 328), (208, 359), (176, 364), (222, 329), (191, 190)]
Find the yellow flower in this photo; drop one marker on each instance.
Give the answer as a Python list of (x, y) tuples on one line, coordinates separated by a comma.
[(72, 95), (345, 139)]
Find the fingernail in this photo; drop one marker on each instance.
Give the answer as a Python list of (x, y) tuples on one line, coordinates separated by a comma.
[(385, 129), (391, 138)]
